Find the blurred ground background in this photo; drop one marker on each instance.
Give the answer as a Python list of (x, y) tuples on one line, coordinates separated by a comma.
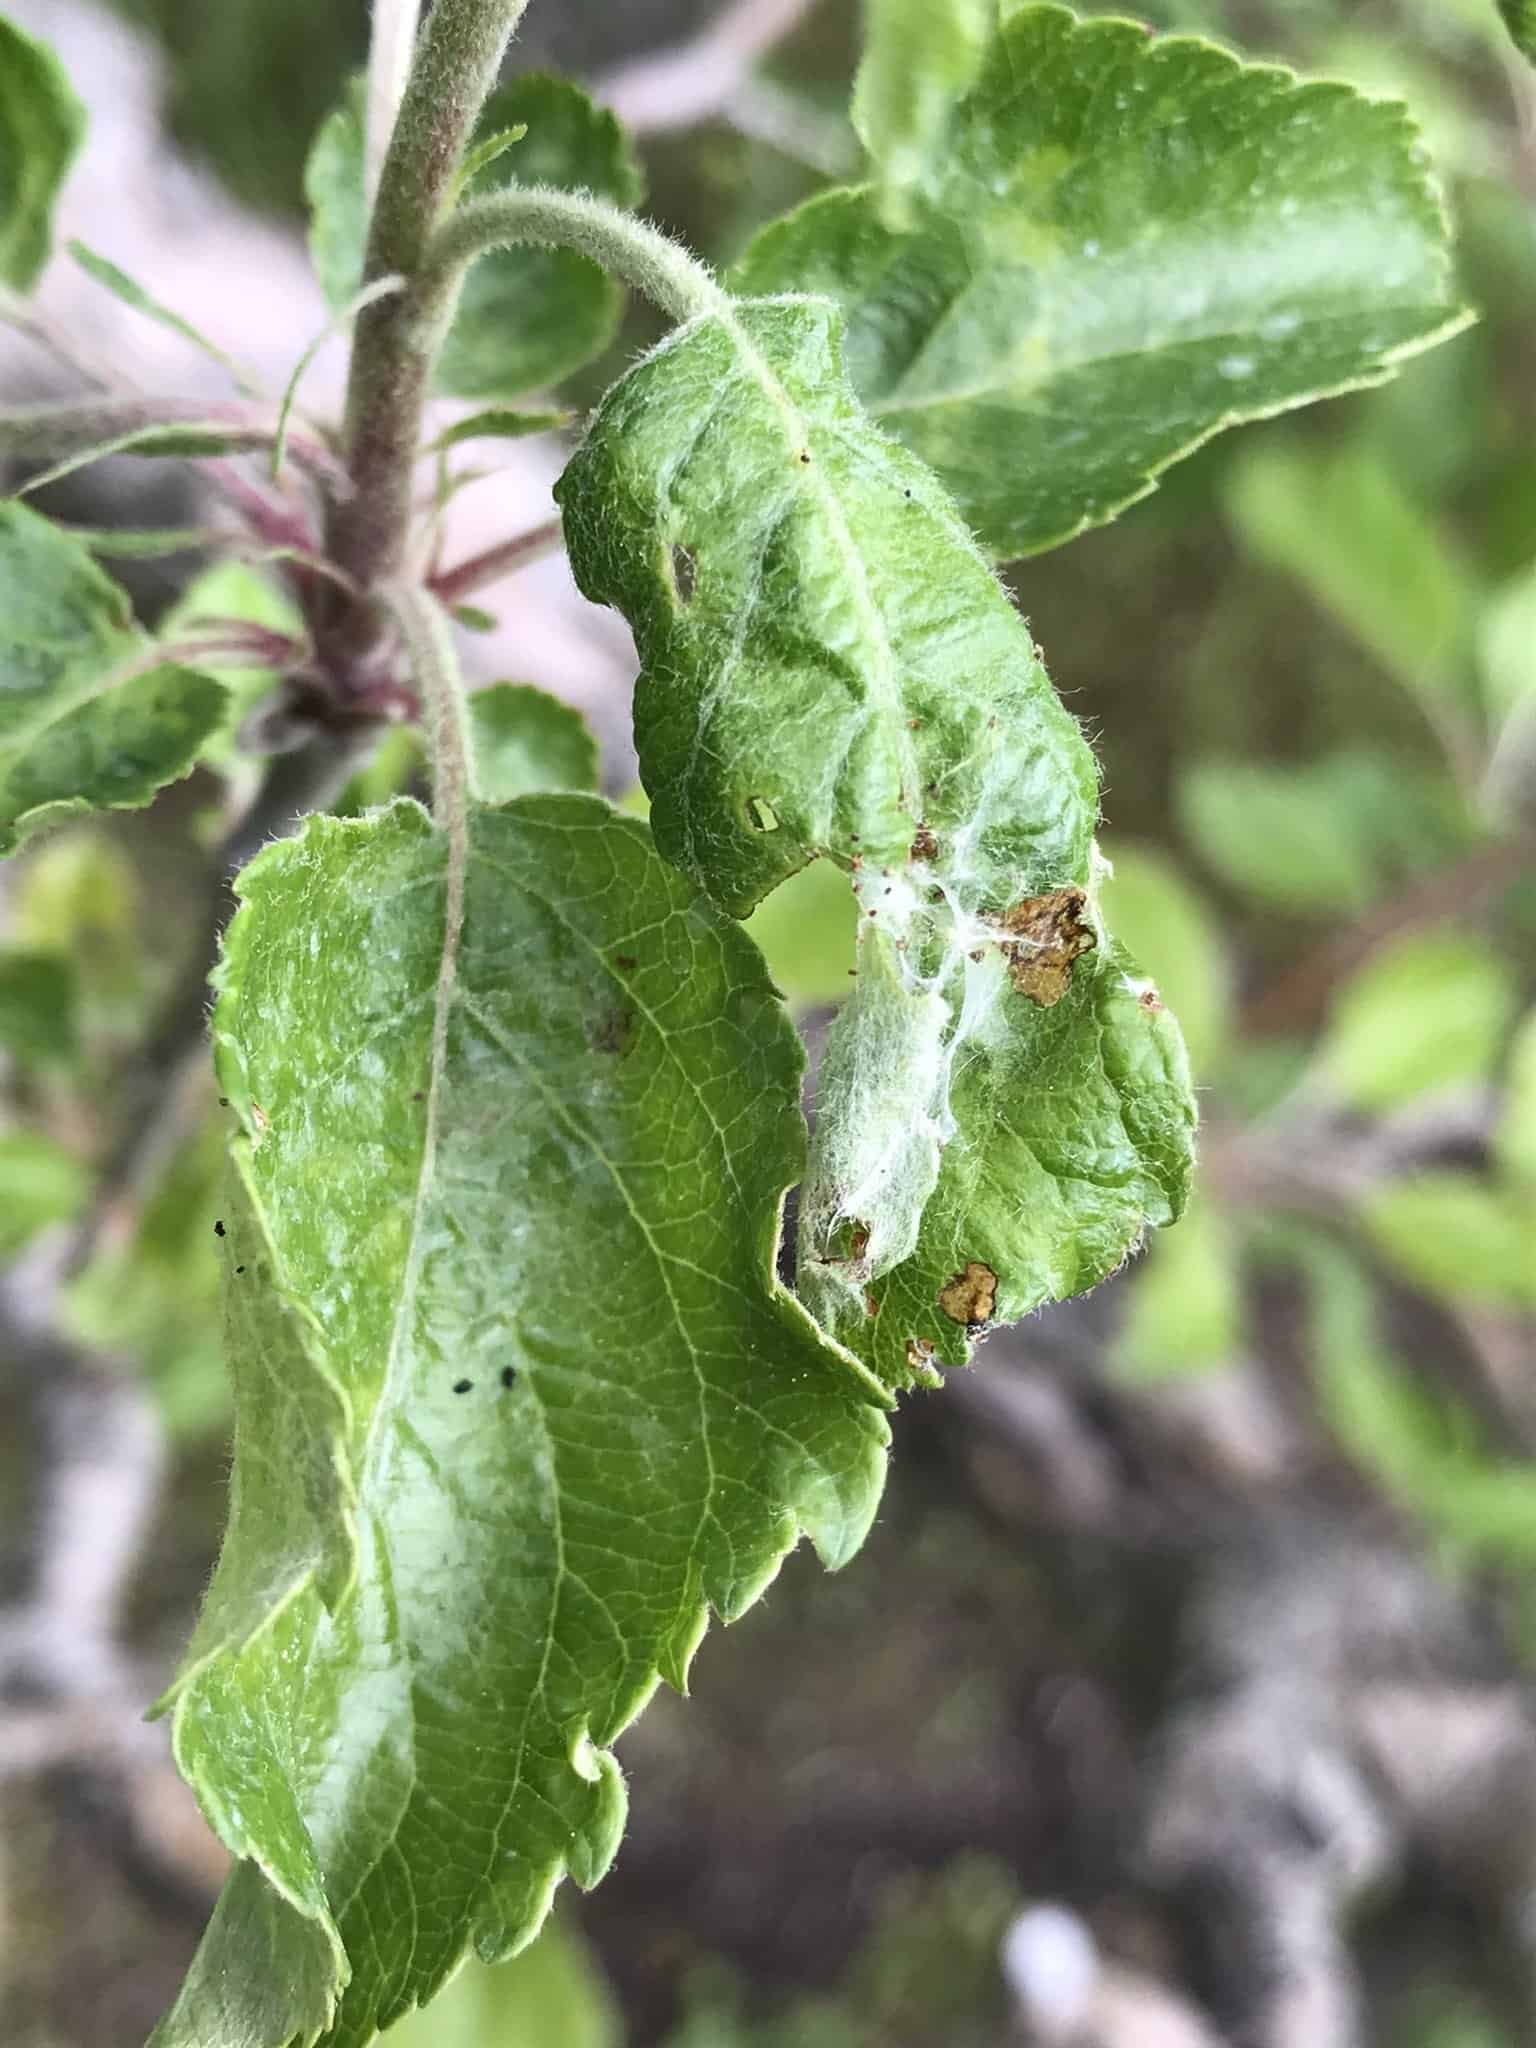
[(1182, 1695)]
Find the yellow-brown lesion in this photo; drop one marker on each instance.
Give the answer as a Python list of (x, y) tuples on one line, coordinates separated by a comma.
[(1045, 936), (971, 1296)]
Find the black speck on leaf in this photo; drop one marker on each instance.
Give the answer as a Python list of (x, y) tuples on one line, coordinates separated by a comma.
[(462, 1386), (218, 1230), (509, 1375), (239, 1269)]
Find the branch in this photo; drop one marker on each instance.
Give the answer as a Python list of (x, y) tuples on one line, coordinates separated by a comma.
[(397, 338), (390, 49), (453, 585), (434, 662), (547, 218)]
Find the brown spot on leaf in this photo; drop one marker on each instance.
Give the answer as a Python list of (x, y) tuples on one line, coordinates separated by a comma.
[(1149, 999), (971, 1295), (626, 961), (1046, 935), (611, 1030), (919, 1353), (924, 845), (871, 1306)]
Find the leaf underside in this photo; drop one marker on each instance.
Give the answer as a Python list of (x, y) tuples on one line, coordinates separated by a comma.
[(1122, 244), (830, 667), (519, 1398)]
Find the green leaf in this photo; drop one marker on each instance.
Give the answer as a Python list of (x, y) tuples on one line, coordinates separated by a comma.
[(1515, 1139), (1127, 244), (133, 294), (499, 423), (338, 205), (1185, 1312), (485, 152), (530, 316), (80, 899), (550, 1996), (39, 997), (474, 618), (830, 667), (1424, 1014), (1319, 838), (806, 930), (42, 126), (88, 720), (518, 1395), (1456, 1237), (1345, 529), (920, 58), (40, 1184), (1520, 20), (396, 764), (233, 590), (527, 317), (157, 1297), (526, 740), (1166, 923), (1428, 1450)]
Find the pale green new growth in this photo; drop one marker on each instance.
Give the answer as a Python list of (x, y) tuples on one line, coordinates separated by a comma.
[(515, 1197), (1127, 243)]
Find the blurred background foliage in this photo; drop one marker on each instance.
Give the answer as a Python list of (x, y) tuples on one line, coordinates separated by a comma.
[(1309, 665)]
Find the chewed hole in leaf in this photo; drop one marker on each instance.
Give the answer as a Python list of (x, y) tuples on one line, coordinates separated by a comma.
[(761, 815), (684, 573)]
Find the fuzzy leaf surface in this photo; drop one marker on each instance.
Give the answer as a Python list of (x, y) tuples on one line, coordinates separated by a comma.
[(829, 666), (520, 1398), (42, 125), (88, 720), (1125, 244)]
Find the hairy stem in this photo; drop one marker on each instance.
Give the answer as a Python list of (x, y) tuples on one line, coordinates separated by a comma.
[(453, 585), (428, 638), (397, 337), (390, 48), (632, 249)]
